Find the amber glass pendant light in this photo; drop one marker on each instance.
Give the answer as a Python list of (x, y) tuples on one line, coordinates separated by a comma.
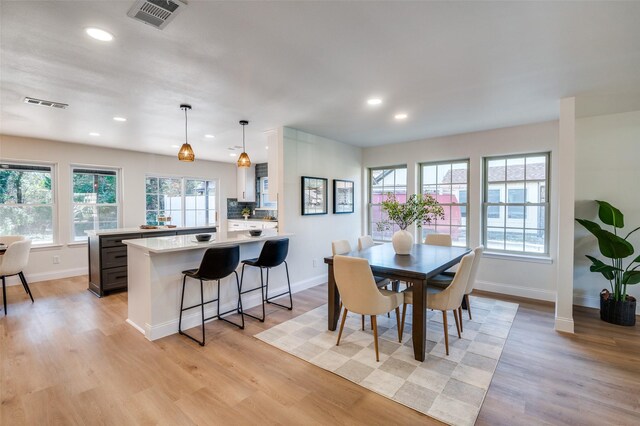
[(243, 160), (186, 152)]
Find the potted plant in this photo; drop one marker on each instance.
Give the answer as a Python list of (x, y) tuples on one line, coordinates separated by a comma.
[(246, 212), (420, 209), (616, 306)]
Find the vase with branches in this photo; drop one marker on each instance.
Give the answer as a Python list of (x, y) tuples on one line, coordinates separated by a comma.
[(418, 208)]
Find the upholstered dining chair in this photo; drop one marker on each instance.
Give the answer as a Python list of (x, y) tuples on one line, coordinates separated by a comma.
[(438, 240), (361, 295), (13, 262), (448, 299), (8, 239), (472, 280), (443, 240), (365, 242)]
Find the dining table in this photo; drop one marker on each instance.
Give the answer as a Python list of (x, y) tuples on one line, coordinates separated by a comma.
[(424, 262)]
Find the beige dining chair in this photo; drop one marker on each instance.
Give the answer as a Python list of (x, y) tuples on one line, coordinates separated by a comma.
[(8, 239), (443, 240), (448, 299), (361, 295), (14, 260), (365, 242), (472, 279)]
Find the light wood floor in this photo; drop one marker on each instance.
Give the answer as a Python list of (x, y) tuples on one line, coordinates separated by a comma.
[(71, 359)]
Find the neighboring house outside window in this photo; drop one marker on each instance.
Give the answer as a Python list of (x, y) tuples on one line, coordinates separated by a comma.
[(382, 181), (448, 183), (515, 204), (96, 202), (27, 201)]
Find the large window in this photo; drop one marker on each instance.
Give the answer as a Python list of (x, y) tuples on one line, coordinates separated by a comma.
[(188, 202), (96, 203), (27, 201), (515, 203), (383, 181), (448, 183)]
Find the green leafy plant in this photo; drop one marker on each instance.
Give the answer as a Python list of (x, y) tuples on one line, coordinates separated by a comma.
[(246, 211), (615, 248), (422, 209)]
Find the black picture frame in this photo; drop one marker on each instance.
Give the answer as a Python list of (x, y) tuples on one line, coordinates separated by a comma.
[(313, 195), (343, 196)]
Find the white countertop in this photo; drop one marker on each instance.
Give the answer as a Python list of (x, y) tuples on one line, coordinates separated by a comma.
[(142, 231), (188, 242)]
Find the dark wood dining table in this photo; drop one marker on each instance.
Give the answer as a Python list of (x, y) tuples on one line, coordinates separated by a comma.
[(424, 262)]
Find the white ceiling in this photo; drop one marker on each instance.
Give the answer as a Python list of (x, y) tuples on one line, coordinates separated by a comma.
[(453, 67)]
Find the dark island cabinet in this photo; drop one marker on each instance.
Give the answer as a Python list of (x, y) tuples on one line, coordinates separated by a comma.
[(108, 257)]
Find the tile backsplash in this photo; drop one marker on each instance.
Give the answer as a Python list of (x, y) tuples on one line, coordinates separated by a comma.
[(234, 210)]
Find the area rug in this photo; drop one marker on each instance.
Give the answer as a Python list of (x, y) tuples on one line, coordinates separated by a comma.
[(448, 388)]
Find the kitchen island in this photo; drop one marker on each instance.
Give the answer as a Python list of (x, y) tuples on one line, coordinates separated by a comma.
[(155, 280)]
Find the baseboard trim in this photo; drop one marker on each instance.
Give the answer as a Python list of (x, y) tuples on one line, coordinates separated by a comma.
[(46, 276), (564, 325), (193, 320), (512, 290)]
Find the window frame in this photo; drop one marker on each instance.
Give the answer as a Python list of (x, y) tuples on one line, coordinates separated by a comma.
[(118, 204), (183, 195), (370, 205), (55, 232), (546, 184), (466, 204)]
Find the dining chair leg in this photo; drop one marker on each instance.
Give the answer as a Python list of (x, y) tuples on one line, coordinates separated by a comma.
[(398, 324), (466, 297), (446, 331), (344, 317), (4, 295), (404, 313), (363, 323), (455, 316), (460, 316), (25, 284), (374, 325)]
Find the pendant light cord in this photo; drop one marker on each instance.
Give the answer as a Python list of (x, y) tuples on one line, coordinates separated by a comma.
[(185, 126)]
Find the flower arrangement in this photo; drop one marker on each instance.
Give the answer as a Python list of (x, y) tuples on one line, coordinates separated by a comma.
[(420, 209)]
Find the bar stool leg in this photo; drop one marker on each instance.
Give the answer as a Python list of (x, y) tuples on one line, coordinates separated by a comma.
[(202, 310), (253, 289), (184, 280), (239, 310), (268, 299), (4, 294)]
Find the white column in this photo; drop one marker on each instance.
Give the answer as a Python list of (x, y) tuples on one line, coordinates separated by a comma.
[(565, 175)]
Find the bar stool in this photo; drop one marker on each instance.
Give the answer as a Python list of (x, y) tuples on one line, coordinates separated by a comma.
[(273, 253), (217, 263)]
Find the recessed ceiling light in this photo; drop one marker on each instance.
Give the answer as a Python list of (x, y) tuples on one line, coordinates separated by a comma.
[(232, 155), (99, 34), (401, 116), (209, 136), (94, 134), (119, 119), (374, 101), (266, 147)]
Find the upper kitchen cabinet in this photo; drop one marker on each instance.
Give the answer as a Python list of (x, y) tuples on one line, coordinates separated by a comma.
[(247, 184)]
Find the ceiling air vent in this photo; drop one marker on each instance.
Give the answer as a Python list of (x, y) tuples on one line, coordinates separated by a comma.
[(51, 104), (157, 13)]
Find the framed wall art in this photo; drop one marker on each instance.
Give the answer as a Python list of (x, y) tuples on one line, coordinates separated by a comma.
[(314, 195), (342, 196)]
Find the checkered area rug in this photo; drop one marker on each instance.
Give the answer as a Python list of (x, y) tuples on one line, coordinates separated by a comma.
[(448, 388)]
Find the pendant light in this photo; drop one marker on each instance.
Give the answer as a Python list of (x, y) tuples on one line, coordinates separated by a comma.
[(243, 160), (186, 152)]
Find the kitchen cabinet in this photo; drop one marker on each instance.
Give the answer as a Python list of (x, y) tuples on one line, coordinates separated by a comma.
[(108, 255), (246, 225), (246, 181)]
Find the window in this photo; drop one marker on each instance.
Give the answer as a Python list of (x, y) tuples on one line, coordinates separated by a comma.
[(181, 201), (96, 203), (448, 183), (27, 201), (264, 202), (383, 181), (515, 203)]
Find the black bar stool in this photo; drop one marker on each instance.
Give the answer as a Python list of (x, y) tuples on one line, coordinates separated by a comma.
[(217, 263), (273, 253)]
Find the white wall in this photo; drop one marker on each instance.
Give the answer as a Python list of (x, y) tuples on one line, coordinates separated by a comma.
[(309, 155), (133, 166), (518, 277), (607, 155)]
